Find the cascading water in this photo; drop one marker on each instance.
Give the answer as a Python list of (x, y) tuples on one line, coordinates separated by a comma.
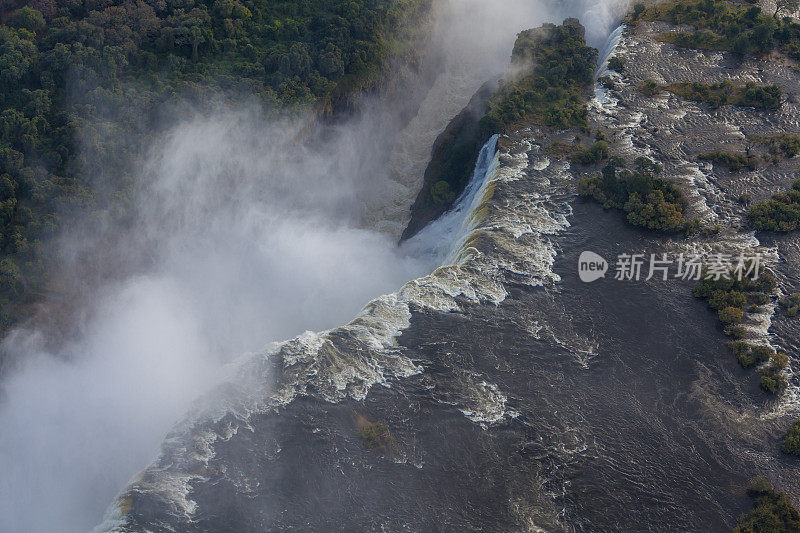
[(600, 92), (441, 241), (607, 51)]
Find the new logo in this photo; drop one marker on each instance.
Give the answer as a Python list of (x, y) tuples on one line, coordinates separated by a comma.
[(591, 266)]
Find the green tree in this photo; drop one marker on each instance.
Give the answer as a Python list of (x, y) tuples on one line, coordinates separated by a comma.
[(730, 315), (791, 441), (27, 18), (772, 511)]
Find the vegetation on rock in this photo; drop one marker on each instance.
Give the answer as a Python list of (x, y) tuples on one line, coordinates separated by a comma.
[(376, 436), (730, 295), (556, 71), (617, 64), (607, 82), (777, 147), (648, 201), (748, 354), (772, 377), (786, 143), (594, 154), (649, 87), (772, 511), (731, 161), (722, 93), (726, 93), (791, 441), (779, 213), (723, 25), (638, 10), (792, 304)]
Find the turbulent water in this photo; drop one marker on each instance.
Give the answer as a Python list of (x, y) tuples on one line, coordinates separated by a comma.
[(517, 396), (240, 235), (674, 131)]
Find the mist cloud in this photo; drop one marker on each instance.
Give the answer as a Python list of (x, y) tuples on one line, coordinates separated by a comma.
[(242, 235)]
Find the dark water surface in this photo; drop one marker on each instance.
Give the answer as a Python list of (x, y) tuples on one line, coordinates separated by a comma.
[(624, 411)]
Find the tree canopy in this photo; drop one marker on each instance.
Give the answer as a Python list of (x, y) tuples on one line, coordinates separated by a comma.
[(94, 73)]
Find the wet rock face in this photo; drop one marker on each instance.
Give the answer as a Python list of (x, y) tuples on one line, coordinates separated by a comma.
[(516, 396), (453, 158)]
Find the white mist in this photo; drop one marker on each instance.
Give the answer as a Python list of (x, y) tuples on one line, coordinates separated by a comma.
[(243, 236)]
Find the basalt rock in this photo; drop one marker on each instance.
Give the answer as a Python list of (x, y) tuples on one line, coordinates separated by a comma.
[(452, 161)]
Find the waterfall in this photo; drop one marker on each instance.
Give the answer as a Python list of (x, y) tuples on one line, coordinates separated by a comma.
[(441, 241), (606, 52)]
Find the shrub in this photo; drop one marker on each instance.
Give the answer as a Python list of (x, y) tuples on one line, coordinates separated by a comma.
[(730, 315), (720, 299), (772, 384), (760, 96), (726, 93), (728, 297), (762, 353), (654, 212), (759, 298), (778, 361), (773, 380), (772, 510), (649, 87), (743, 352), (638, 9), (617, 64), (790, 145), (594, 154), (701, 40), (786, 144), (779, 213), (721, 25), (647, 201), (708, 286), (791, 441), (758, 486), (737, 332), (607, 82), (766, 282), (376, 436), (441, 192), (791, 304), (732, 162)]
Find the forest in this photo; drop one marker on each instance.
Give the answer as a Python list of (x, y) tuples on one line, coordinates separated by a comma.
[(557, 68), (86, 82)]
